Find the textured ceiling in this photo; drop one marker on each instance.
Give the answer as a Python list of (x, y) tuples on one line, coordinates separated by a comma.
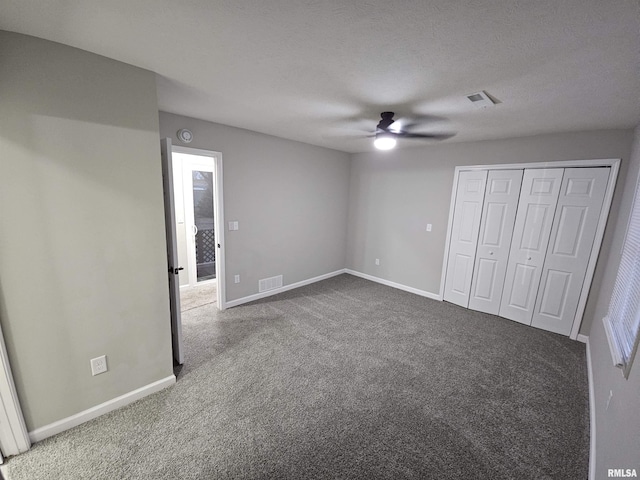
[(322, 71)]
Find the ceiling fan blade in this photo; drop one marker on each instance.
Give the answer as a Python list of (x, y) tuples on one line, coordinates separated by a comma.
[(408, 123), (435, 136), (399, 128), (396, 127), (353, 133)]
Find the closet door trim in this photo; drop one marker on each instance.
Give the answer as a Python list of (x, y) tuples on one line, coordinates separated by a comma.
[(613, 163)]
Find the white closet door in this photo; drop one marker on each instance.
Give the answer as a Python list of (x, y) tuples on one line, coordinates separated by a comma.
[(572, 235), (464, 236), (496, 230), (536, 208)]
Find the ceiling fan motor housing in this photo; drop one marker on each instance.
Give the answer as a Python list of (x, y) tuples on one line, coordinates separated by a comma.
[(383, 130), (387, 120)]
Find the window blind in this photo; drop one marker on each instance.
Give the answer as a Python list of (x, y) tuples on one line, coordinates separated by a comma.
[(622, 323)]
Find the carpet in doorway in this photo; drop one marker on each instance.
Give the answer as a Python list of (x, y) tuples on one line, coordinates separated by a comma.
[(197, 296)]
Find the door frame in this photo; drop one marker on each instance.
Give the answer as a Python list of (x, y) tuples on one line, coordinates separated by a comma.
[(14, 437), (218, 221), (613, 163)]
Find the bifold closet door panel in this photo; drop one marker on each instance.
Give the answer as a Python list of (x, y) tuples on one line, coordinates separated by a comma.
[(496, 229), (572, 236), (534, 219), (464, 236)]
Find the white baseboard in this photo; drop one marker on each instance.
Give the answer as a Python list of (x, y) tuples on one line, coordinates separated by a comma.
[(93, 412), (592, 412), (582, 338), (422, 293), (275, 291)]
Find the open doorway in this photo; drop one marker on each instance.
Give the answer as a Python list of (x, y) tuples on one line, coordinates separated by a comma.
[(194, 188), (196, 202), (193, 201)]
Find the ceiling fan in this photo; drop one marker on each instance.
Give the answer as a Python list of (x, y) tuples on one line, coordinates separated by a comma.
[(389, 130)]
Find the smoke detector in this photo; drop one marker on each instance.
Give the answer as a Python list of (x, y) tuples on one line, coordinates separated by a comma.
[(481, 99), (184, 135)]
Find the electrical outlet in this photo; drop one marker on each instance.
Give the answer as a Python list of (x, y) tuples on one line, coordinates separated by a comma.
[(377, 261), (236, 279), (98, 365), (429, 227)]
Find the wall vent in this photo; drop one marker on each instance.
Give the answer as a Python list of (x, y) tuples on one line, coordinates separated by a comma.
[(481, 99), (269, 283)]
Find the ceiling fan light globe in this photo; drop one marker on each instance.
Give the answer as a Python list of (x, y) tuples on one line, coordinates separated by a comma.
[(384, 142)]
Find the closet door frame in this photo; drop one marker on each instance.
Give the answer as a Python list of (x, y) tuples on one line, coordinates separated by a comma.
[(613, 163)]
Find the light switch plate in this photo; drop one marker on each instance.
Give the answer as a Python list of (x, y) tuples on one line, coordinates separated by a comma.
[(429, 227)]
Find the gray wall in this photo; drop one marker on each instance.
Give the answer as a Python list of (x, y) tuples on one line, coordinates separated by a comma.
[(82, 246), (395, 194), (618, 428), (289, 198)]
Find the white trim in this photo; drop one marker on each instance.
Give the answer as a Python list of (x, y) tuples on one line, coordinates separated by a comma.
[(220, 223), (275, 291), (94, 412), (600, 162), (613, 163), (13, 431), (194, 151), (399, 286), (592, 412), (582, 338), (218, 220), (616, 354)]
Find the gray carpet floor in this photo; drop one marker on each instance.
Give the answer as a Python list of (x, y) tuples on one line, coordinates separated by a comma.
[(344, 379), (197, 296)]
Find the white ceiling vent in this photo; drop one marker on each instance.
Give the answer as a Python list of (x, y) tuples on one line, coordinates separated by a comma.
[(481, 100)]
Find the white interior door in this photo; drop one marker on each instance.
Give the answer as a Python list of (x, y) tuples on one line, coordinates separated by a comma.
[(572, 236), (534, 219), (496, 229), (464, 236), (172, 250)]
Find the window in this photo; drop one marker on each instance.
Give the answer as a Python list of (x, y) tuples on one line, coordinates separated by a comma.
[(622, 322)]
